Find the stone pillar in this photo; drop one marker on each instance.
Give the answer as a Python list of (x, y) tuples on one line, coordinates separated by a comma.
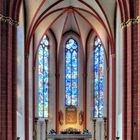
[(139, 77), (57, 99), (131, 74), (113, 96), (26, 97), (135, 82), (9, 11), (124, 83), (128, 115), (136, 70)]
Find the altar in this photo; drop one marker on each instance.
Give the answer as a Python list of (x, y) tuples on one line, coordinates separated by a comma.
[(70, 136)]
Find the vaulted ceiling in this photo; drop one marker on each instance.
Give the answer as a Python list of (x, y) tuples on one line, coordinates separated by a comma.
[(79, 16)]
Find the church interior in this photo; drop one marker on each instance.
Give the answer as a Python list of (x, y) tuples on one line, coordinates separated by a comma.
[(69, 69)]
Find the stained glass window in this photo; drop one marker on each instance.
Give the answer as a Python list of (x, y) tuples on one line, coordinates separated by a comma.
[(43, 77), (98, 68), (71, 72)]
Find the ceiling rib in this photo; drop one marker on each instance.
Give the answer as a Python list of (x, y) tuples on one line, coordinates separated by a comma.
[(105, 17), (43, 16), (111, 37), (50, 26), (79, 33), (33, 19), (93, 29), (37, 24), (63, 29)]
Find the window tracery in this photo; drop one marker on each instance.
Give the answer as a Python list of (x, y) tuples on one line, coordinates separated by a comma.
[(43, 77), (98, 69), (71, 72)]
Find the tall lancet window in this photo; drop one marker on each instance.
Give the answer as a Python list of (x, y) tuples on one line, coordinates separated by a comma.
[(71, 72), (43, 77), (98, 68)]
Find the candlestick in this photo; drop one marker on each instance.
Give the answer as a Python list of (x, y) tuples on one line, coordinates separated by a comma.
[(41, 120), (46, 121), (117, 138), (94, 128), (35, 129), (41, 131), (105, 122)]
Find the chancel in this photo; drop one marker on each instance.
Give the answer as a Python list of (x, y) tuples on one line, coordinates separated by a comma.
[(69, 69)]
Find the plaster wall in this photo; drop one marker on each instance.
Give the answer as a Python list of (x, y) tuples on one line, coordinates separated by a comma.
[(119, 79), (30, 93), (20, 77), (110, 97)]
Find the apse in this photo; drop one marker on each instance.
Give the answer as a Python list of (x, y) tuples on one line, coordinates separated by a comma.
[(69, 45), (69, 69)]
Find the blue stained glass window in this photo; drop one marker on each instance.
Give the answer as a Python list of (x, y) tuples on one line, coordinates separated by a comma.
[(43, 77), (71, 72), (98, 68)]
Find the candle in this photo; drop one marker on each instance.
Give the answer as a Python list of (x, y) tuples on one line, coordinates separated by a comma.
[(117, 133)]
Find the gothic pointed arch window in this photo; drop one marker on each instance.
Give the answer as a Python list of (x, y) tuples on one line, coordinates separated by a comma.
[(71, 72), (43, 77), (98, 70)]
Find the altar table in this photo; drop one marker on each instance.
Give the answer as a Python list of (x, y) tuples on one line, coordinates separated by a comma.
[(70, 136)]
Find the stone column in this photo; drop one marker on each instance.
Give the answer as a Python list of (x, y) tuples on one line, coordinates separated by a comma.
[(8, 68), (113, 96), (131, 73)]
